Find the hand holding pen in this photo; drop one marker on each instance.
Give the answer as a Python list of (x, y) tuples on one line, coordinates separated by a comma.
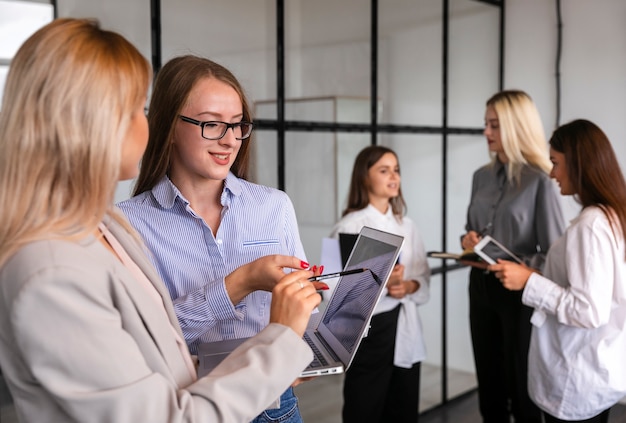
[(319, 286)]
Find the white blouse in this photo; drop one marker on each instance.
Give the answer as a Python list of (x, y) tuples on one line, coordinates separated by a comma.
[(576, 359), (410, 347)]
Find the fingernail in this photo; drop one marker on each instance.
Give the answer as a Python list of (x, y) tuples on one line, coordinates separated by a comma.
[(321, 269), (321, 286), (314, 269), (304, 264)]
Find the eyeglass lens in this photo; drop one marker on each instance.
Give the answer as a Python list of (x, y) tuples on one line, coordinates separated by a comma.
[(216, 130)]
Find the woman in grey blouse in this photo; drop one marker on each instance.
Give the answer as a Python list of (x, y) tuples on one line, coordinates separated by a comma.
[(513, 200)]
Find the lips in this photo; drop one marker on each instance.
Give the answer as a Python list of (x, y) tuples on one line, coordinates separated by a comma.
[(221, 159)]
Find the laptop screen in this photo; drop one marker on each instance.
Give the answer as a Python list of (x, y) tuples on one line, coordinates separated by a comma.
[(349, 310)]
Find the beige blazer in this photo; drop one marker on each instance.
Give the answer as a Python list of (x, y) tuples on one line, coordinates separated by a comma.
[(80, 340)]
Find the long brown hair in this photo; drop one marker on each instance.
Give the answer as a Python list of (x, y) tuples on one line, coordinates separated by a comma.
[(70, 95), (172, 88), (593, 169), (358, 195)]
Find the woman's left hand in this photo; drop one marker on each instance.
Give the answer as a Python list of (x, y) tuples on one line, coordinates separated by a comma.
[(397, 286), (512, 275), (399, 290)]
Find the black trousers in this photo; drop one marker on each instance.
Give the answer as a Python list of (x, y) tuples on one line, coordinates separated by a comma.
[(600, 418), (374, 389), (500, 328)]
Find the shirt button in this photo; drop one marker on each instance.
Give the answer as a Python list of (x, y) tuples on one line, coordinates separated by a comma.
[(219, 241)]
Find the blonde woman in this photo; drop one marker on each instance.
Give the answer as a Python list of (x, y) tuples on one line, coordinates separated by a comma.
[(88, 332), (514, 201)]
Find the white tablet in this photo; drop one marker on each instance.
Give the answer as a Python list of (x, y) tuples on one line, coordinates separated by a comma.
[(491, 250)]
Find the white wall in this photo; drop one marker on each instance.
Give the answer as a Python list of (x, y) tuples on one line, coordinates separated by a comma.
[(593, 65)]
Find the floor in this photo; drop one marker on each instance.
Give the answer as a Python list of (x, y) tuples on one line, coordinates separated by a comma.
[(321, 398)]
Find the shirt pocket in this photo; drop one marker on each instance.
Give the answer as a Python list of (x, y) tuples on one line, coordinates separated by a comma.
[(260, 243)]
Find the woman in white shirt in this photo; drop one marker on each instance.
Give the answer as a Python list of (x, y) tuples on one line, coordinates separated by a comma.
[(577, 370), (382, 383)]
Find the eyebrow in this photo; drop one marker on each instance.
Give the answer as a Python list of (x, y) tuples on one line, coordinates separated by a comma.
[(217, 116)]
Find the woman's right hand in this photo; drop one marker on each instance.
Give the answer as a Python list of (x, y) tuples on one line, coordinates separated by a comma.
[(293, 299), (470, 240), (261, 274)]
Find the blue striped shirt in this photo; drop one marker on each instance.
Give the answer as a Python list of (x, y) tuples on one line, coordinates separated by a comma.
[(256, 221)]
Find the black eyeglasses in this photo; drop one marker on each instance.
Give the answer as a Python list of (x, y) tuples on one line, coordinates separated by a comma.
[(215, 130)]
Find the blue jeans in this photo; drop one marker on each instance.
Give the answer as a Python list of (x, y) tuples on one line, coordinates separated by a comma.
[(287, 413)]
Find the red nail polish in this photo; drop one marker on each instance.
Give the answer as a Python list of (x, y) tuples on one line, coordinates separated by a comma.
[(321, 269), (314, 269), (304, 264)]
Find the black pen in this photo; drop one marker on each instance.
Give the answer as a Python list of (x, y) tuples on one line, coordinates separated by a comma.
[(483, 232), (337, 274)]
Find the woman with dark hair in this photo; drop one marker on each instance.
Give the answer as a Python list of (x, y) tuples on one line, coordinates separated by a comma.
[(211, 233), (577, 370), (383, 382)]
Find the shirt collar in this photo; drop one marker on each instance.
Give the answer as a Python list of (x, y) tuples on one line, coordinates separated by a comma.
[(165, 192), (370, 209)]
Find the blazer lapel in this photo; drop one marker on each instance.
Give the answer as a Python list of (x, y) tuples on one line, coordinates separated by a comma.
[(162, 334)]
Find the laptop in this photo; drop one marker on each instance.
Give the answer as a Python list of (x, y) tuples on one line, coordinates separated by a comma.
[(346, 318)]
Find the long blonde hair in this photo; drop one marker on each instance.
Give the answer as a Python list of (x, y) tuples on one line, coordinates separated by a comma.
[(521, 131), (69, 97)]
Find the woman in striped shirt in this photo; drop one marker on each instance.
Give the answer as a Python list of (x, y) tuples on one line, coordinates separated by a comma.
[(217, 240)]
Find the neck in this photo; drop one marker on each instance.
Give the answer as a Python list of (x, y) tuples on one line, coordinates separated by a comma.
[(201, 193), (382, 205)]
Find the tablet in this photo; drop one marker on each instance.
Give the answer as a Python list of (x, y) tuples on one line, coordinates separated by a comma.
[(491, 250)]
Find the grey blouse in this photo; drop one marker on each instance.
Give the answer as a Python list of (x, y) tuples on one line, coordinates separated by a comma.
[(526, 217)]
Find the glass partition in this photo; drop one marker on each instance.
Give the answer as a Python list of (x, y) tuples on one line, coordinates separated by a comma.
[(238, 34), (18, 21), (410, 62), (327, 51), (473, 61)]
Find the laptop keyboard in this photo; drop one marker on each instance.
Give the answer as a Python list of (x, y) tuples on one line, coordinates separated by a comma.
[(318, 359)]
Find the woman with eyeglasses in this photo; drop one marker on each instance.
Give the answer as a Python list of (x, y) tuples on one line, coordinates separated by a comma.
[(88, 331), (212, 234)]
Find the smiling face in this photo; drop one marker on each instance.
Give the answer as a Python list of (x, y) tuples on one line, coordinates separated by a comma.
[(559, 172), (195, 158), (383, 179), (492, 133)]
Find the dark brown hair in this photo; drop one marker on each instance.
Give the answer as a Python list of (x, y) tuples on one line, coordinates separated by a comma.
[(593, 169), (358, 196), (172, 87)]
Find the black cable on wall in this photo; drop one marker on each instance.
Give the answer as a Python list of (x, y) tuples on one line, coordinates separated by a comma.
[(559, 42)]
